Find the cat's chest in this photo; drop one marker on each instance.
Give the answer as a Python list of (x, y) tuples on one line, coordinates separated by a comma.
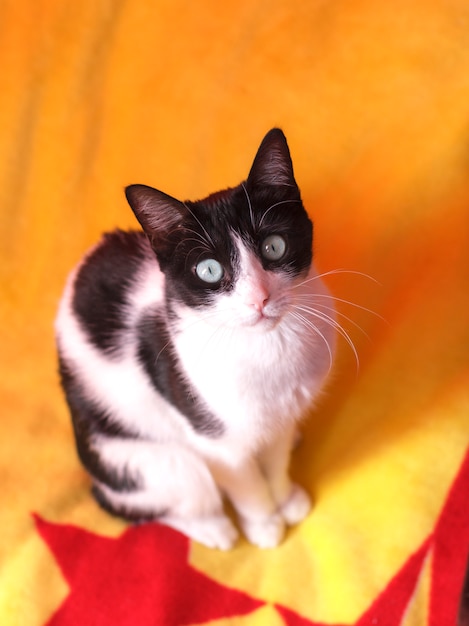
[(246, 377)]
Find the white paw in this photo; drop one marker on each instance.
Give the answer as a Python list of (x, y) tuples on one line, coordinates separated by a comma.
[(224, 535), (297, 506), (214, 532), (220, 534), (265, 533)]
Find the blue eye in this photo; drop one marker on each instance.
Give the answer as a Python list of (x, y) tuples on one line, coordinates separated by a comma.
[(273, 247), (209, 270)]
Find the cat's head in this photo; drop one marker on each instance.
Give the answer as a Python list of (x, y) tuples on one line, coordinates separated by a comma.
[(237, 252)]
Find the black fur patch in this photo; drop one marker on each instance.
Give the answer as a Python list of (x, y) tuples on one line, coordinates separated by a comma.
[(131, 514), (156, 354), (251, 214), (88, 421), (102, 286)]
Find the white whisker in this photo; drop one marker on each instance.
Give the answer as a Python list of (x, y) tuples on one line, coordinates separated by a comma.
[(249, 205), (309, 298), (334, 324), (334, 272), (199, 237), (162, 350), (358, 306), (209, 240), (272, 207), (308, 323), (202, 245)]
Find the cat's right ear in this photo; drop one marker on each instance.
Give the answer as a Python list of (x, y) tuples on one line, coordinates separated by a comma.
[(160, 215), (272, 165)]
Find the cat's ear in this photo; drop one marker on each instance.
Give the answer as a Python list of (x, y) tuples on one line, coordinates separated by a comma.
[(272, 164), (159, 215)]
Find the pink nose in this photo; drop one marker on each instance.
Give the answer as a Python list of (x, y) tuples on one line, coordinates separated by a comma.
[(258, 298), (258, 305)]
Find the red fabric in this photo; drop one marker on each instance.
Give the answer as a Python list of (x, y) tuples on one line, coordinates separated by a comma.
[(451, 548), (449, 544), (144, 577)]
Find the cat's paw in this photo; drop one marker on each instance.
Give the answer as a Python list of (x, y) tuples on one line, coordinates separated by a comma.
[(214, 532), (265, 533), (223, 535), (296, 507), (220, 534)]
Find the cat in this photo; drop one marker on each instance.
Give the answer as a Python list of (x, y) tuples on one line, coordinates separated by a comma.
[(189, 352)]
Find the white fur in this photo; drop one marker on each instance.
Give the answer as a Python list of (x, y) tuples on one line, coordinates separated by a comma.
[(269, 367)]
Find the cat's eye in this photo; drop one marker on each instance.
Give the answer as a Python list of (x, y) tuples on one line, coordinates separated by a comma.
[(273, 247), (209, 270)]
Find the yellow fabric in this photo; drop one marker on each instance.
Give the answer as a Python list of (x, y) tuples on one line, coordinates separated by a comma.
[(373, 97)]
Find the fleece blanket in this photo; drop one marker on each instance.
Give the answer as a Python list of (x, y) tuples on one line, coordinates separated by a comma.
[(373, 97)]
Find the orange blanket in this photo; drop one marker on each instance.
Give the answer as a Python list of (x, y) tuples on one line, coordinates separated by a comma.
[(373, 97)]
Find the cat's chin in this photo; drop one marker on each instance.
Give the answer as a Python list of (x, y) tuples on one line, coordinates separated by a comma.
[(261, 322)]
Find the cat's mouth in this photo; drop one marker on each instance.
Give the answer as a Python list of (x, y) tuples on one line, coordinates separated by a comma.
[(262, 320)]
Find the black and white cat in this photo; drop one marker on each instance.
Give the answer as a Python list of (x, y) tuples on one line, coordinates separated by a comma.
[(190, 351)]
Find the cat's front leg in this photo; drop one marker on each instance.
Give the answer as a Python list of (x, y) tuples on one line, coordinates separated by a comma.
[(172, 485), (292, 501), (246, 487)]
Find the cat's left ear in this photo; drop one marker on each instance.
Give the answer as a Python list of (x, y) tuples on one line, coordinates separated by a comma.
[(272, 165), (161, 216)]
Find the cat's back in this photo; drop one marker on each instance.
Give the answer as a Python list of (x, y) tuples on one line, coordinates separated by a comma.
[(106, 292)]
